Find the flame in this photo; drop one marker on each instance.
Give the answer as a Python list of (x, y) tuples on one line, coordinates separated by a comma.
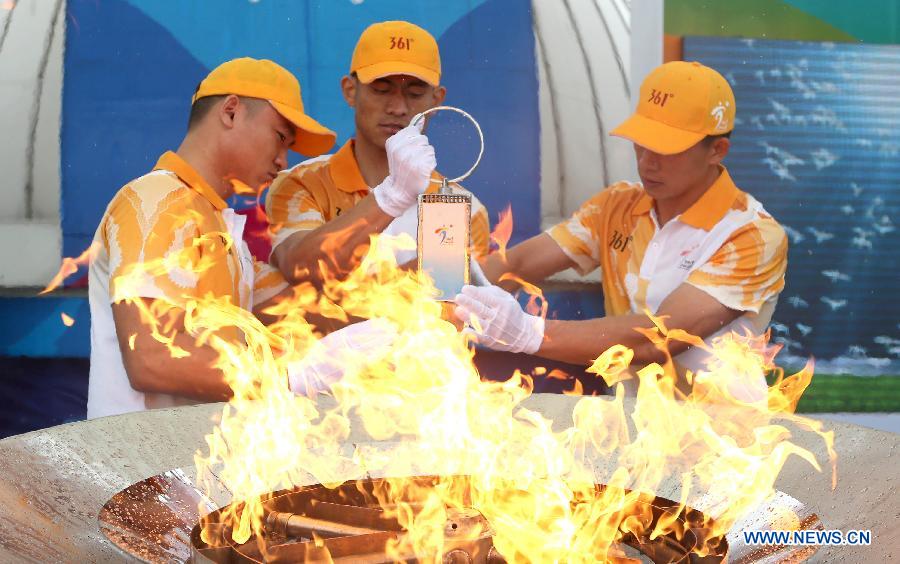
[(612, 365), (557, 374), (67, 321), (424, 400), (70, 266), (241, 188), (537, 304), (501, 234)]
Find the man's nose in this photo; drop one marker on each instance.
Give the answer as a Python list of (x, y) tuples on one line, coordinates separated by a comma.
[(397, 104), (281, 159)]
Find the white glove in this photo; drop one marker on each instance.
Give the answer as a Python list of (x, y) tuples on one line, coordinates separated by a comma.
[(503, 324), (337, 353), (410, 164)]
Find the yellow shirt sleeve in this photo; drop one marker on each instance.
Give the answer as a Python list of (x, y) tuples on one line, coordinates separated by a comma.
[(579, 236), (748, 269), (291, 208), (268, 282), (156, 251), (481, 233)]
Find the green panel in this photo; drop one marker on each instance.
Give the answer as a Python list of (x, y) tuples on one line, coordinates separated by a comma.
[(871, 21), (834, 393), (770, 19)]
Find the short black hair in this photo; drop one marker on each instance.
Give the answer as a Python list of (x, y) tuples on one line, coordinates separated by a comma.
[(710, 139), (201, 107)]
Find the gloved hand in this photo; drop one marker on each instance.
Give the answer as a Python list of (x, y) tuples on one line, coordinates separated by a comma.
[(503, 324), (410, 164), (337, 353)]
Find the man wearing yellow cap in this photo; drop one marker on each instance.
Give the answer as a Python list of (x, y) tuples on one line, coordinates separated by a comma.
[(169, 237), (685, 243), (325, 209)]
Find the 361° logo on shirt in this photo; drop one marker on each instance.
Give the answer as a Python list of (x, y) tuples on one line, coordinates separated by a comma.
[(619, 241), (687, 263)]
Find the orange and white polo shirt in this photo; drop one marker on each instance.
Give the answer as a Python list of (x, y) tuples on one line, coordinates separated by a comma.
[(725, 244), (316, 191), (163, 236)]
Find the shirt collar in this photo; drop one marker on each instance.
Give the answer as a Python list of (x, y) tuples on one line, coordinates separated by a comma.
[(707, 211), (643, 205), (175, 164), (713, 204), (345, 170), (347, 177)]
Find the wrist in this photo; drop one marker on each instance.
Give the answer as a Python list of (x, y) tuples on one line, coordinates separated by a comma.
[(386, 198), (534, 334), (392, 198)]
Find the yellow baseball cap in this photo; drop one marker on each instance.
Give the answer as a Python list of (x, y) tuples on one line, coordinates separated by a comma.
[(680, 104), (396, 47), (261, 78)]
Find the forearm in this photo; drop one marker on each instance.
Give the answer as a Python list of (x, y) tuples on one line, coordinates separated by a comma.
[(336, 244), (178, 366), (260, 310), (273, 311), (532, 261), (582, 341), (494, 266), (688, 312), (152, 368)]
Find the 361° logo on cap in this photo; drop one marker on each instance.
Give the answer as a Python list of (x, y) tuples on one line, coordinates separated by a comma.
[(404, 43), (659, 97)]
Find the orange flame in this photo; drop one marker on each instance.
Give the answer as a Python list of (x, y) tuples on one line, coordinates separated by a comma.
[(70, 267), (423, 398), (533, 484), (537, 304), (612, 365), (67, 321), (241, 188), (558, 374), (503, 231)]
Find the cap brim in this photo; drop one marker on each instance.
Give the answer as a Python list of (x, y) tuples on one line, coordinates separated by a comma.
[(312, 138), (380, 70), (657, 136)]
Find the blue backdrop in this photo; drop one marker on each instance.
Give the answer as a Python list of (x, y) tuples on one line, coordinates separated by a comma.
[(817, 142), (131, 67)]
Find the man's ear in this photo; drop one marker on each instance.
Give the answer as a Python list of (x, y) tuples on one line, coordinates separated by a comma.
[(348, 89), (228, 109), (440, 92), (720, 148)]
